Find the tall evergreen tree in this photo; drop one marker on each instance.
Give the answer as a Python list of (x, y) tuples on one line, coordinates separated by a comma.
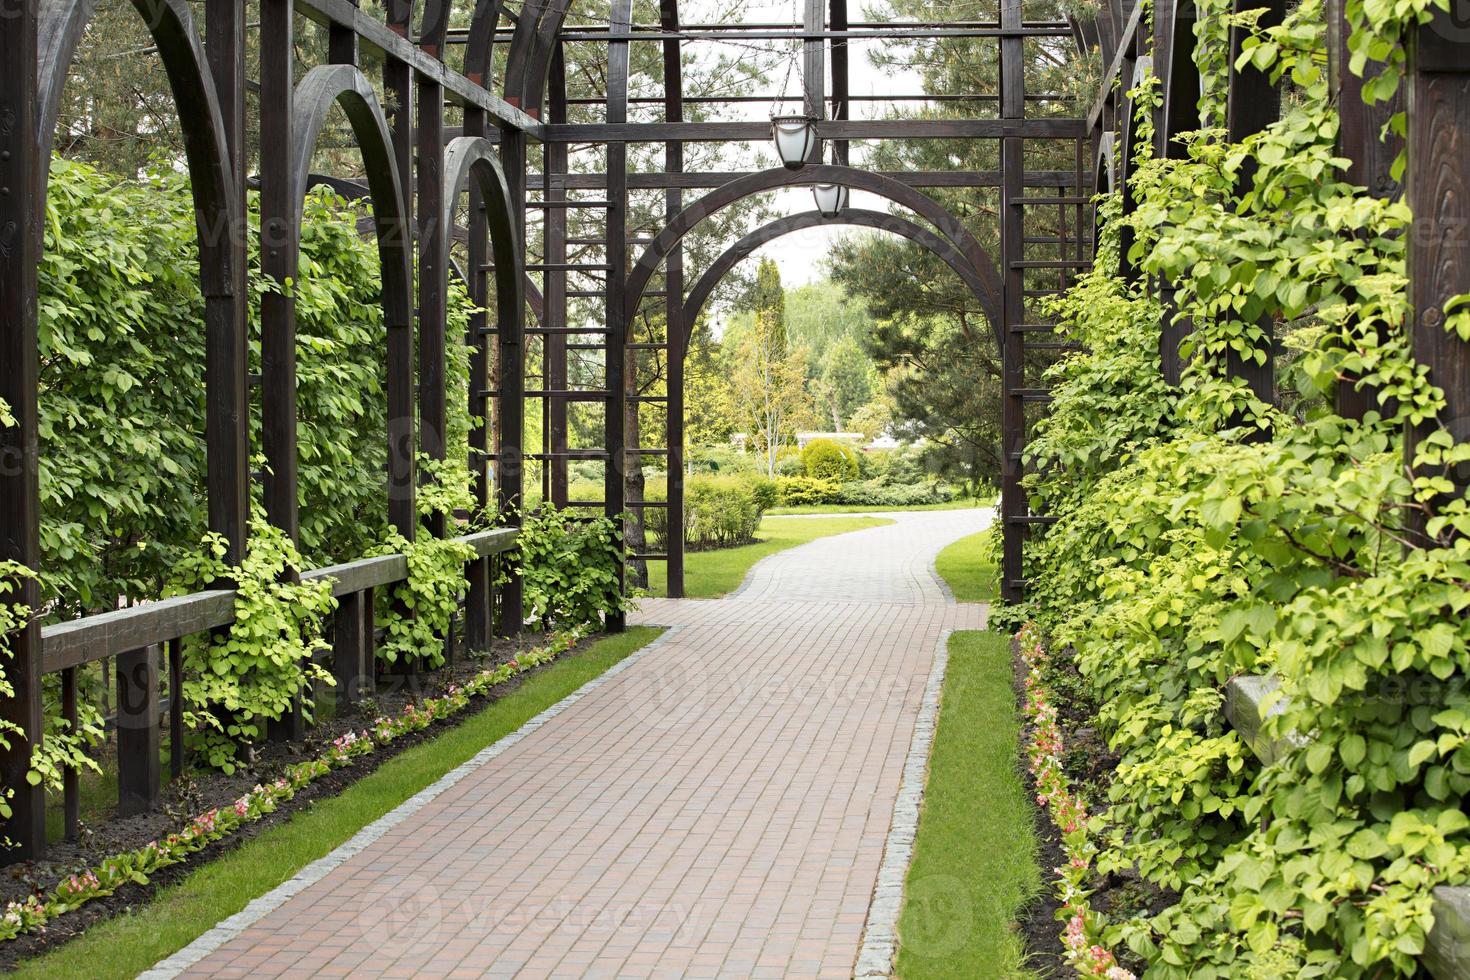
[(769, 301)]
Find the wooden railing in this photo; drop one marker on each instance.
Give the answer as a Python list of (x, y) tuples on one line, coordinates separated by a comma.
[(146, 639), (1447, 952)]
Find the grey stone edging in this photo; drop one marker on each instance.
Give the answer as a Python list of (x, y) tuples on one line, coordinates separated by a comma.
[(258, 908), (880, 932)]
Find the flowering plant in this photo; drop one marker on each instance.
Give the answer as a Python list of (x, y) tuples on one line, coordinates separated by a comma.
[(1068, 812)]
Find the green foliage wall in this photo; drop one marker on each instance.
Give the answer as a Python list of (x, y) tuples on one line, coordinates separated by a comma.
[(122, 386), (1204, 533)]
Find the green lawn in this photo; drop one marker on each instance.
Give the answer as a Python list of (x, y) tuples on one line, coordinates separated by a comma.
[(711, 574), (123, 946), (962, 504), (967, 568), (975, 855)]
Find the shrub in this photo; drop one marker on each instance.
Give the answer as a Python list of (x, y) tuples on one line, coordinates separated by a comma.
[(827, 459), (722, 511), (724, 460), (798, 491), (569, 566), (764, 488), (882, 493), (789, 463), (893, 465)]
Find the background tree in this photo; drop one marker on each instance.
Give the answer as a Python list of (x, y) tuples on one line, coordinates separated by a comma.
[(846, 381), (772, 387), (933, 323)]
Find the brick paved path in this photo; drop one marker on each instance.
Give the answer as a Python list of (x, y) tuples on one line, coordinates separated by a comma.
[(717, 808)]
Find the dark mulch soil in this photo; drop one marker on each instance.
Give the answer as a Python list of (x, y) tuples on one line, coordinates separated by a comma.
[(1089, 765), (198, 791)]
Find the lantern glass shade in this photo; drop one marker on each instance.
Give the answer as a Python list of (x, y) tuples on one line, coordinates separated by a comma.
[(795, 138), (831, 199)]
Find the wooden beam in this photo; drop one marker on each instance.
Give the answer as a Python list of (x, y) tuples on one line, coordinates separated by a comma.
[(814, 61), (832, 129), (1013, 292), (380, 37), (676, 329), (615, 431), (280, 262), (1370, 156), (91, 638), (1437, 189), (924, 178), (21, 169), (1253, 104)]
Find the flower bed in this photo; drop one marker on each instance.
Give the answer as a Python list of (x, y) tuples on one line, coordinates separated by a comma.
[(136, 866), (1067, 810)]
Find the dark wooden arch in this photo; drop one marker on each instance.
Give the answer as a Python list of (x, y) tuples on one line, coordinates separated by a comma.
[(855, 217), (212, 180), (864, 180), (467, 159), (319, 91)]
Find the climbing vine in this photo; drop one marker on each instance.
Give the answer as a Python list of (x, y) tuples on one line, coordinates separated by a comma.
[(1204, 533), (263, 666), (570, 566)]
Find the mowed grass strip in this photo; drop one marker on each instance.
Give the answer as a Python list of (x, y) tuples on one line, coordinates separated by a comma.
[(711, 574), (125, 945), (975, 863), (967, 566)]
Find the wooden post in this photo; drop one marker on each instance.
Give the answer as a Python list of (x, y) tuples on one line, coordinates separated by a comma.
[(1359, 140), (225, 369), (676, 329), (351, 660), (402, 442), (477, 614), (280, 254), (1253, 104), (1437, 188), (1013, 505), (554, 295), (614, 424), (433, 276), (279, 261), (21, 169), (71, 781), (511, 360), (177, 752), (138, 762)]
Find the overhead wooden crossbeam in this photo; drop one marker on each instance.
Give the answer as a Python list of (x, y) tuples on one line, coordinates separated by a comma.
[(926, 178), (379, 37), (831, 129)]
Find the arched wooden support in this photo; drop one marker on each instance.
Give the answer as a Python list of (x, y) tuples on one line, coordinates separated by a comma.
[(756, 183), (1180, 75), (853, 217), (344, 85), (474, 161), (479, 54), (53, 33)]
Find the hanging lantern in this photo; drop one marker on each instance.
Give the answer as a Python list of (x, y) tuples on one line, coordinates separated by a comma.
[(831, 199), (796, 139)]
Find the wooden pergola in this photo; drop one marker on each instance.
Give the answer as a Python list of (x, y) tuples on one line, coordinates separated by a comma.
[(417, 168)]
